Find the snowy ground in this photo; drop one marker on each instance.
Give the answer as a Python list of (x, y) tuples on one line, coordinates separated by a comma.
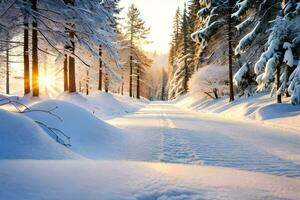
[(145, 151), (115, 180), (163, 132), (260, 108)]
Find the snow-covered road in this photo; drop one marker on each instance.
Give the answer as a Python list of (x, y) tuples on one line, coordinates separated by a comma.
[(165, 133)]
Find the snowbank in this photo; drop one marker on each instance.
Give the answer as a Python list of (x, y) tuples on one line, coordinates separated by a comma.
[(90, 136), (86, 180), (104, 105), (259, 107), (22, 138)]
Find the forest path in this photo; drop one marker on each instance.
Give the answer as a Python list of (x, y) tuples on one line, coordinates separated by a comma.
[(162, 132)]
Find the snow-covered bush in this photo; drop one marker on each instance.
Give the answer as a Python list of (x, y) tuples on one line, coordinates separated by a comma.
[(210, 81)]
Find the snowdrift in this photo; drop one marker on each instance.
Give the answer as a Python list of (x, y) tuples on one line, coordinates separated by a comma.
[(90, 136), (22, 138), (104, 105), (115, 180), (260, 107)]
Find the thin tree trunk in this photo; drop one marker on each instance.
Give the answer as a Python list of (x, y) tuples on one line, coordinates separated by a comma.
[(87, 82), (66, 77), (138, 83), (106, 83), (7, 66), (72, 73), (35, 65), (26, 58), (122, 87), (71, 70), (100, 69), (162, 85), (288, 74), (130, 77), (279, 100), (229, 21)]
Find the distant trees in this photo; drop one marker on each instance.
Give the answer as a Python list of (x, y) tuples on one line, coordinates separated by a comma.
[(135, 31)]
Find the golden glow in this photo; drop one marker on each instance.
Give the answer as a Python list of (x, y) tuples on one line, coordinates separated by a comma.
[(46, 81), (50, 81)]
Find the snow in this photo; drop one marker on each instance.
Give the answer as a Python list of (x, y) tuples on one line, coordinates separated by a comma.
[(158, 150), (114, 180), (90, 136), (22, 138), (174, 135), (241, 73), (288, 56), (259, 108), (104, 105)]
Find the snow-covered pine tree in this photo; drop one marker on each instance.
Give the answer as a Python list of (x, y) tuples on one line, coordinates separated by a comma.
[(183, 60), (195, 23), (174, 51), (253, 17), (274, 66), (175, 39), (213, 12)]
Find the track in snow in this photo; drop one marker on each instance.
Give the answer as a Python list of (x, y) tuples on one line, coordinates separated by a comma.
[(164, 133)]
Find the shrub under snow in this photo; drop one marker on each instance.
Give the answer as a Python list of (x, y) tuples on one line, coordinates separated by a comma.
[(210, 81)]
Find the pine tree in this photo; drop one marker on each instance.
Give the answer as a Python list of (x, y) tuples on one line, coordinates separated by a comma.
[(274, 66), (194, 23), (136, 32), (213, 11), (174, 50), (183, 56)]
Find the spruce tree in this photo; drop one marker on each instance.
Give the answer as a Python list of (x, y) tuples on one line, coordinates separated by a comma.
[(183, 56)]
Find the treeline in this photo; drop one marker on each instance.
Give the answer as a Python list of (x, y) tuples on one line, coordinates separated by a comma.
[(258, 41), (79, 42)]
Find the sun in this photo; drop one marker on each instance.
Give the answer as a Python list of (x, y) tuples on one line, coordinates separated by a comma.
[(49, 83), (46, 81)]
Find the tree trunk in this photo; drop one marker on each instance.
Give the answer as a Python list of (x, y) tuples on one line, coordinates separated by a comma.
[(279, 100), (71, 70), (66, 77), (229, 21), (35, 63), (87, 82), (163, 85), (130, 77), (122, 87), (26, 58), (100, 69), (288, 74), (138, 83), (106, 83), (7, 66), (72, 73)]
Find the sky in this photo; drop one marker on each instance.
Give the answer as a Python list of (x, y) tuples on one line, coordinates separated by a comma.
[(158, 15)]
